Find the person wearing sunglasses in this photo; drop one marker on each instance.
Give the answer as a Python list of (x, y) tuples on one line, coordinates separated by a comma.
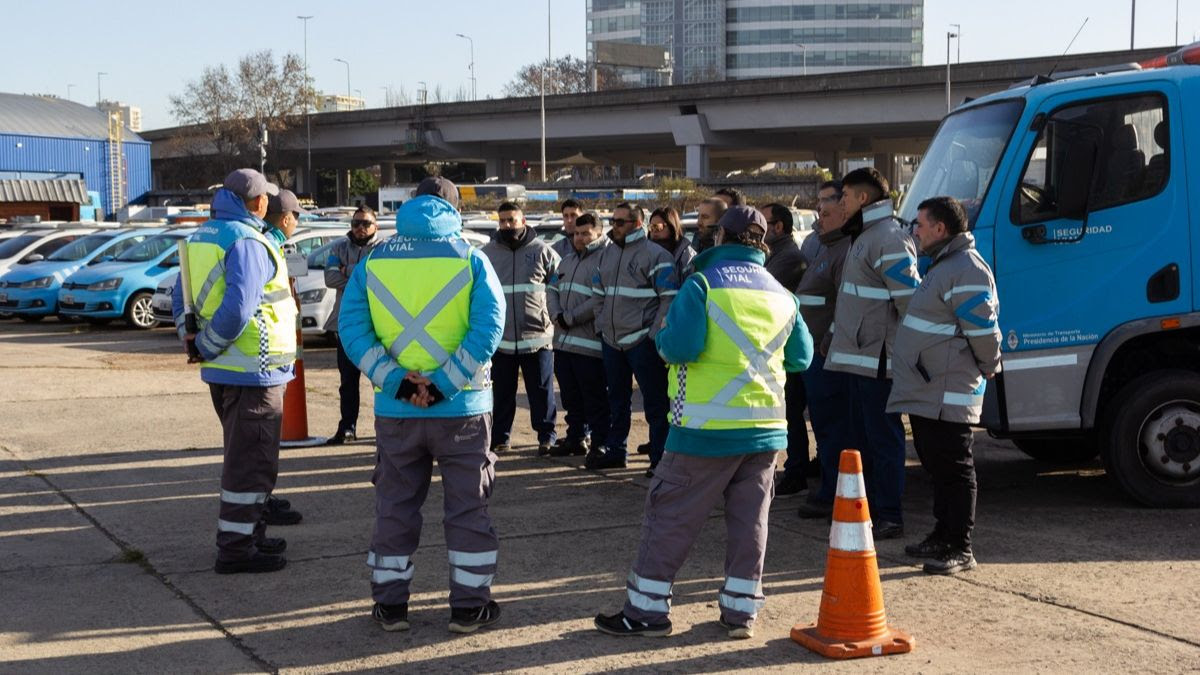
[(345, 255)]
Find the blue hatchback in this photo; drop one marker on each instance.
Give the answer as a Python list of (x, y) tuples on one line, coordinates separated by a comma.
[(122, 287), (32, 289)]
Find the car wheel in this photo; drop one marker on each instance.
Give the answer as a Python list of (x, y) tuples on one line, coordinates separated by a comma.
[(1153, 448), (138, 312), (1060, 450), (31, 318)]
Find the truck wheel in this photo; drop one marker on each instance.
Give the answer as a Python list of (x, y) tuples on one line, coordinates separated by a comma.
[(1153, 448), (138, 312), (1060, 450)]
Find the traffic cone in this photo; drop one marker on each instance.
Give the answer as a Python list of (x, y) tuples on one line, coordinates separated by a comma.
[(851, 622), (295, 399)]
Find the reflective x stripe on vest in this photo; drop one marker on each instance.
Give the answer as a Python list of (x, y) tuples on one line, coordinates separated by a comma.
[(414, 328)]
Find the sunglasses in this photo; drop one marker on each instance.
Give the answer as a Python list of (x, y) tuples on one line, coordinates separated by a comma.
[(620, 222), (361, 223)]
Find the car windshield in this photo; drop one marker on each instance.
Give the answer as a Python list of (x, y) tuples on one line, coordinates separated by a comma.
[(318, 258), (149, 249), (81, 248), (13, 246), (962, 158)]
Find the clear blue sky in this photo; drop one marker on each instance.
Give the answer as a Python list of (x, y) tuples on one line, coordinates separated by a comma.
[(151, 49)]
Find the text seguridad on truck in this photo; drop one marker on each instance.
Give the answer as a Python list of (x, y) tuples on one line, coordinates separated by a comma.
[(1083, 191)]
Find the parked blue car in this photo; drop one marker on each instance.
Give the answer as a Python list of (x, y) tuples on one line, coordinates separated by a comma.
[(122, 287), (34, 286)]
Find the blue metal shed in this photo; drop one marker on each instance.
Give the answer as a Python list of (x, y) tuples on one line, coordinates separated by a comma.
[(44, 137)]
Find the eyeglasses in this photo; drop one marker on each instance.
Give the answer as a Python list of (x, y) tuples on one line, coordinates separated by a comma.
[(658, 225), (361, 223), (621, 222)]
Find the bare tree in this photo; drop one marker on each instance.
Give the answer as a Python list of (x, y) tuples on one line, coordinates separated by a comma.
[(567, 75), (232, 104)]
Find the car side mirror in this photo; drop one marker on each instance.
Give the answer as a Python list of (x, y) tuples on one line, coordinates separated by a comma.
[(32, 258)]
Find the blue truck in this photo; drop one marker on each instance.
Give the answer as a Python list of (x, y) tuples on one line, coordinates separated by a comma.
[(1082, 190)]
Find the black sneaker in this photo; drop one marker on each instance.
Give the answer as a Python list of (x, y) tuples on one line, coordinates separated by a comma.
[(737, 631), (790, 487), (621, 625), (544, 449), (951, 561), (887, 530), (391, 617), (930, 547), (650, 471), (255, 564), (814, 510), (280, 502), (607, 460), (569, 447), (500, 448), (471, 619), (643, 449), (342, 435), (271, 545), (276, 513)]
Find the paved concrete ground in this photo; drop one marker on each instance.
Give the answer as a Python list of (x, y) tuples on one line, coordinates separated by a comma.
[(109, 466)]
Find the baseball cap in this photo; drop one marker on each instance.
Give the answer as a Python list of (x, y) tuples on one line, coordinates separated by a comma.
[(248, 184), (439, 187), (284, 202), (738, 219)]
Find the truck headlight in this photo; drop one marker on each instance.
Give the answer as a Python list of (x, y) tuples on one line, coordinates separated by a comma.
[(43, 282), (106, 285), (312, 297)]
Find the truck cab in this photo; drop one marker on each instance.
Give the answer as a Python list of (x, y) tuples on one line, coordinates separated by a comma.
[(1081, 196)]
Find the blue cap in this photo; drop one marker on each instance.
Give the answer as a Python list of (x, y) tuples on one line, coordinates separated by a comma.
[(738, 219)]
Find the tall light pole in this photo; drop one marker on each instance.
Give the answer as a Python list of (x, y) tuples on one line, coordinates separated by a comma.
[(347, 75), (98, 97), (544, 91), (957, 42), (69, 86), (472, 64), (804, 52), (1132, 21), (307, 105), (949, 35)]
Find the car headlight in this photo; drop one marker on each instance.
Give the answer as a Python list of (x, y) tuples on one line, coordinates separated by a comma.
[(312, 297), (43, 282), (106, 285)]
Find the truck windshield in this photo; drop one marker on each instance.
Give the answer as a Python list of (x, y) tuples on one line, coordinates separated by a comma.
[(149, 249), (81, 248), (962, 158)]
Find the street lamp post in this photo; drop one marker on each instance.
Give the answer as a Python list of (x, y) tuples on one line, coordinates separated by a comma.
[(347, 75), (99, 98), (957, 42), (69, 86), (949, 36), (804, 53), (472, 64), (543, 106), (307, 105)]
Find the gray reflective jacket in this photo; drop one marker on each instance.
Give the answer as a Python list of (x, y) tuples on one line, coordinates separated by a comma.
[(818, 290), (635, 282), (343, 256), (878, 279), (524, 269), (570, 294), (949, 340)]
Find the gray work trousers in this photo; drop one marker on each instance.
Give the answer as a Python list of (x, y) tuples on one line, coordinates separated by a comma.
[(683, 492), (406, 451), (251, 419)]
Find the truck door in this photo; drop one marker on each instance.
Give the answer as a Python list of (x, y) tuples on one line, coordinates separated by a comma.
[(1063, 287)]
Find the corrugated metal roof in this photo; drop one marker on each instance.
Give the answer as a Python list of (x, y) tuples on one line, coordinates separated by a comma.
[(49, 116), (61, 190)]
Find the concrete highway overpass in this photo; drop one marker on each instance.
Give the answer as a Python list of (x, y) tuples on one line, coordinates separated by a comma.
[(702, 128)]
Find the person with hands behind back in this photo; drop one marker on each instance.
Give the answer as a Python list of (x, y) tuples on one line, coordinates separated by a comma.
[(422, 316)]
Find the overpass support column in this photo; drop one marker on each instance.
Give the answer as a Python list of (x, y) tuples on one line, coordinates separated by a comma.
[(885, 163), (498, 167), (832, 160), (387, 173), (696, 162)]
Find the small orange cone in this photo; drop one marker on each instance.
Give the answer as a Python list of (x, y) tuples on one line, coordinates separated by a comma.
[(295, 400), (851, 622)]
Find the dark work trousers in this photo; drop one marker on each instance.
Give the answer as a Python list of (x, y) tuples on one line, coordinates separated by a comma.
[(406, 450), (683, 492), (795, 398), (251, 419), (880, 439), (584, 394), (621, 367), (945, 452), (828, 410), (537, 369), (348, 390)]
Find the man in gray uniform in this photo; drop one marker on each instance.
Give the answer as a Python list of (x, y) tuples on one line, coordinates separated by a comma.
[(947, 348), (524, 263)]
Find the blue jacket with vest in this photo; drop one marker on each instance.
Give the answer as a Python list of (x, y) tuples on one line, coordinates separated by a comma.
[(248, 268), (682, 341), (423, 225)]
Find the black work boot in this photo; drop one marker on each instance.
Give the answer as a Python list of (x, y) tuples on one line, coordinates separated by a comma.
[(276, 513)]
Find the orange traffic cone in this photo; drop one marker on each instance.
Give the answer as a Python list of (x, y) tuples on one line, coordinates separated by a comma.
[(295, 400), (851, 622)]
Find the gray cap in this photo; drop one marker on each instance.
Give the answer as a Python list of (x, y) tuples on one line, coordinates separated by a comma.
[(439, 187), (738, 219), (284, 202), (248, 184)]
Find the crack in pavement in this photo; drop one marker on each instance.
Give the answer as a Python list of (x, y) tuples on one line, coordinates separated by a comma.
[(134, 554)]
